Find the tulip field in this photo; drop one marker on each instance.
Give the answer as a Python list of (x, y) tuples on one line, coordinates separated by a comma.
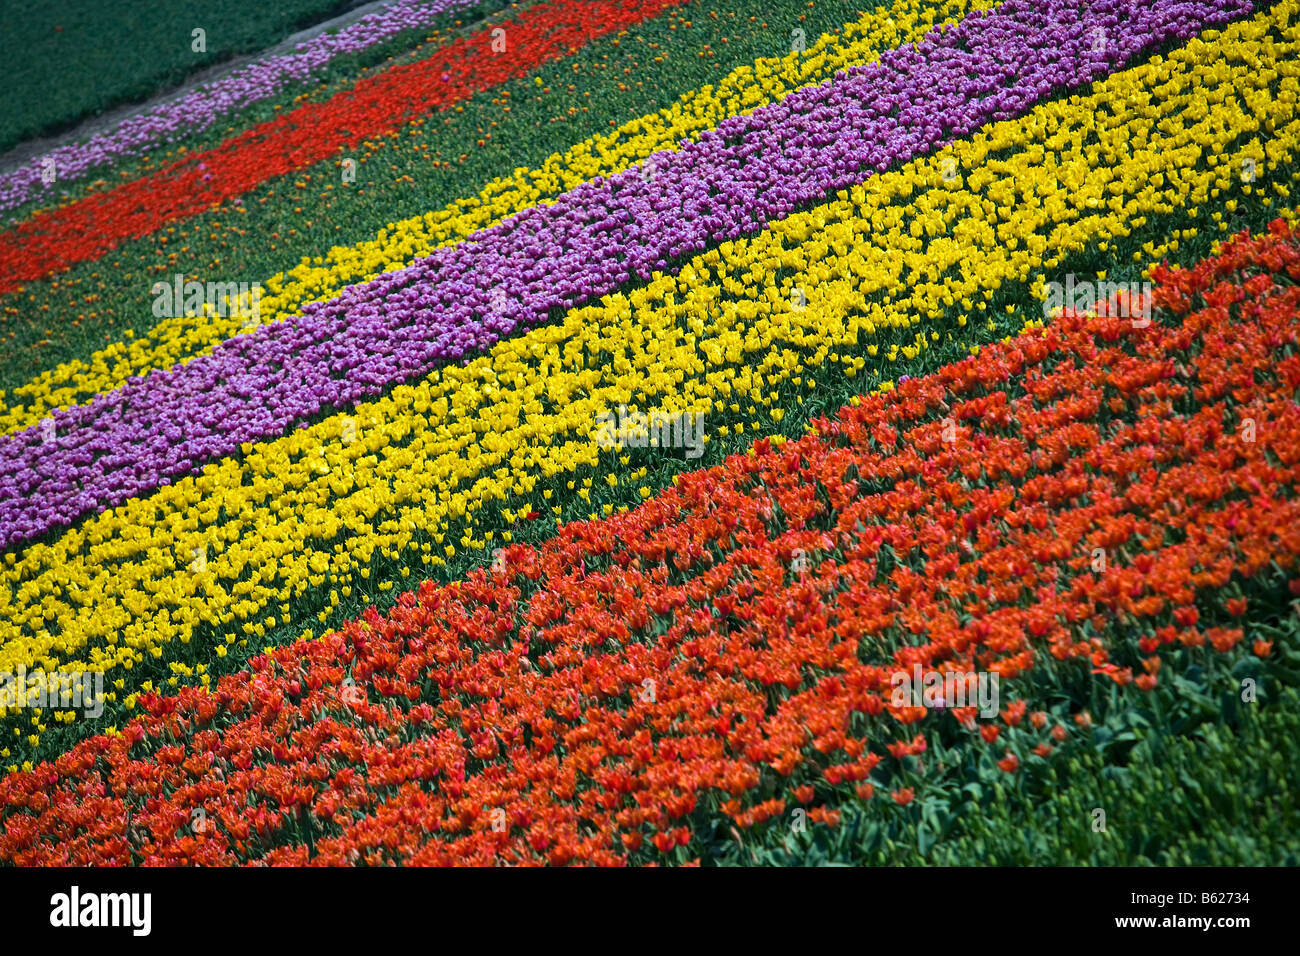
[(655, 432)]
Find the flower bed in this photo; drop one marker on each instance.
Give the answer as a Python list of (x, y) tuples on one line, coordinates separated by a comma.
[(601, 697), (431, 465), (543, 261), (747, 87)]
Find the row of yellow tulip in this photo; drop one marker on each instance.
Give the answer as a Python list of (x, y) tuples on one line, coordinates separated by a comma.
[(324, 277), (416, 473)]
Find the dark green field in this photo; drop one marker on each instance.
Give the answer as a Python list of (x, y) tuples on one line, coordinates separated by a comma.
[(70, 59)]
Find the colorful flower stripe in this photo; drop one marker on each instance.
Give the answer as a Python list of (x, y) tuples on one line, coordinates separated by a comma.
[(86, 229), (200, 108), (460, 300), (176, 340), (607, 694), (311, 509)]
